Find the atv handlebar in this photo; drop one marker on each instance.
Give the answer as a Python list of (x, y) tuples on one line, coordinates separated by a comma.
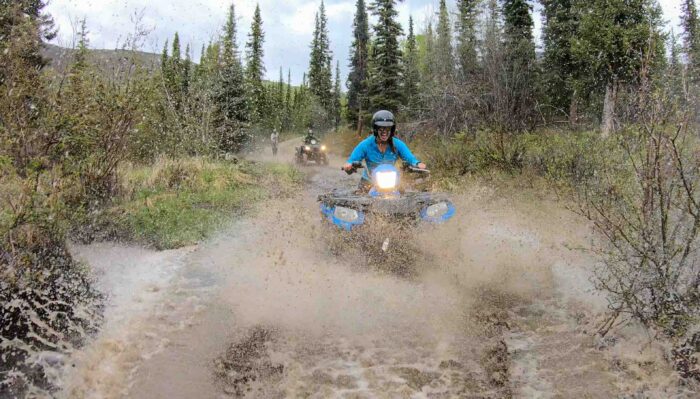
[(355, 167)]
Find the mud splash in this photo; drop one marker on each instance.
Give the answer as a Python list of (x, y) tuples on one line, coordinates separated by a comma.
[(498, 306)]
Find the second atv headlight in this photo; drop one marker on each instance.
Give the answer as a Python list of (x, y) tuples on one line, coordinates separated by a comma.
[(307, 148), (346, 214), (323, 148), (386, 180)]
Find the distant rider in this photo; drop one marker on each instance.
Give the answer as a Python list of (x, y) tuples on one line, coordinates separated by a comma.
[(310, 136), (380, 148), (274, 140)]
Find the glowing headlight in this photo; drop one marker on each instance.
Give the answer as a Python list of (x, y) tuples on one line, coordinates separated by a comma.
[(437, 210), (307, 148), (345, 214), (386, 180), (323, 148)]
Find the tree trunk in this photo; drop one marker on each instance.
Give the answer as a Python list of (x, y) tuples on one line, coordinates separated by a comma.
[(573, 110), (609, 108), (359, 120)]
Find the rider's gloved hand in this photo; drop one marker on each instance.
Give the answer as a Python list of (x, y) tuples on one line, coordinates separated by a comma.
[(347, 167), (421, 165)]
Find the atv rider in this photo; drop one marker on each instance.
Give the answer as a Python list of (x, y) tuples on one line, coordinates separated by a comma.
[(310, 136), (380, 148), (274, 141)]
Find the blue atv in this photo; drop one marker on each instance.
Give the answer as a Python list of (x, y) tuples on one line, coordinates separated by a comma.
[(349, 209)]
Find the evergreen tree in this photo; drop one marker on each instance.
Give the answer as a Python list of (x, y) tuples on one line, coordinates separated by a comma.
[(384, 82), (691, 38), (357, 77), (610, 64), (444, 59), (427, 56), (164, 65), (468, 11), (255, 69), (411, 71), (676, 72), (186, 70), (320, 75), (174, 76), (230, 96), (560, 27), (80, 61), (520, 61), (336, 96)]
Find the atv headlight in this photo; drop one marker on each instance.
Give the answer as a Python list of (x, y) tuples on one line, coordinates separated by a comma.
[(307, 148), (437, 210), (346, 214), (323, 148), (386, 180)]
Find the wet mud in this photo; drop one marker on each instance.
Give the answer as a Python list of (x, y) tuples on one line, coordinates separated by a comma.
[(494, 304)]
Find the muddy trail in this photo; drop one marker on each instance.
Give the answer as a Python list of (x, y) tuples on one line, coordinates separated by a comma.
[(499, 306)]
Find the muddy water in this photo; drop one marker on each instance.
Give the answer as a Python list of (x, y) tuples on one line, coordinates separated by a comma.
[(500, 307)]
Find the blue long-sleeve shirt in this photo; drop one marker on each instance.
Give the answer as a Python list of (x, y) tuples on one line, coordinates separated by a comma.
[(368, 151)]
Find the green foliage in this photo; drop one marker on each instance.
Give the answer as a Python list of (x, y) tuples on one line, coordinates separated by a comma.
[(385, 69), (357, 78), (691, 37), (520, 76), (411, 71), (320, 73), (181, 202), (559, 30), (466, 26), (615, 41), (444, 59), (255, 69)]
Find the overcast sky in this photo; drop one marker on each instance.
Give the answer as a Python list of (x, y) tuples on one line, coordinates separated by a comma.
[(288, 24)]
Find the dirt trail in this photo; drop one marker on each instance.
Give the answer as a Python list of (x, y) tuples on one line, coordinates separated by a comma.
[(500, 308)]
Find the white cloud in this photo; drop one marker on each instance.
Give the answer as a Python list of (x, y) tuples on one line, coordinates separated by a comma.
[(288, 24)]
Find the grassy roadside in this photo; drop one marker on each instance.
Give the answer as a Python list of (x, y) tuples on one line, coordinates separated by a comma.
[(174, 203)]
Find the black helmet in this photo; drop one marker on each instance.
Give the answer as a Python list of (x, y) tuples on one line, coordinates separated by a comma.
[(383, 118)]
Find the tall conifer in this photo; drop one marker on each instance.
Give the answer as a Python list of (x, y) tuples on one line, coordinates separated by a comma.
[(357, 78), (320, 74), (468, 12), (255, 69), (411, 69), (444, 59), (230, 95), (384, 83)]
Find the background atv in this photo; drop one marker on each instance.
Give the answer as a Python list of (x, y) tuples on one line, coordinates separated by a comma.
[(311, 150)]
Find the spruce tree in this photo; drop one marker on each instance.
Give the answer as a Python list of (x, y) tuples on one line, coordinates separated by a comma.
[(468, 12), (230, 95), (186, 71), (255, 69), (336, 97), (691, 38), (559, 31), (676, 72), (411, 70), (444, 59), (520, 62), (384, 82), (320, 75), (164, 64), (357, 77), (427, 56), (611, 64)]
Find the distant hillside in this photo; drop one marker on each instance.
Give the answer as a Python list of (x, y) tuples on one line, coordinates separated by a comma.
[(107, 61)]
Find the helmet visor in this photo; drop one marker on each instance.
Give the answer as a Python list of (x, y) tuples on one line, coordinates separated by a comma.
[(384, 123)]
